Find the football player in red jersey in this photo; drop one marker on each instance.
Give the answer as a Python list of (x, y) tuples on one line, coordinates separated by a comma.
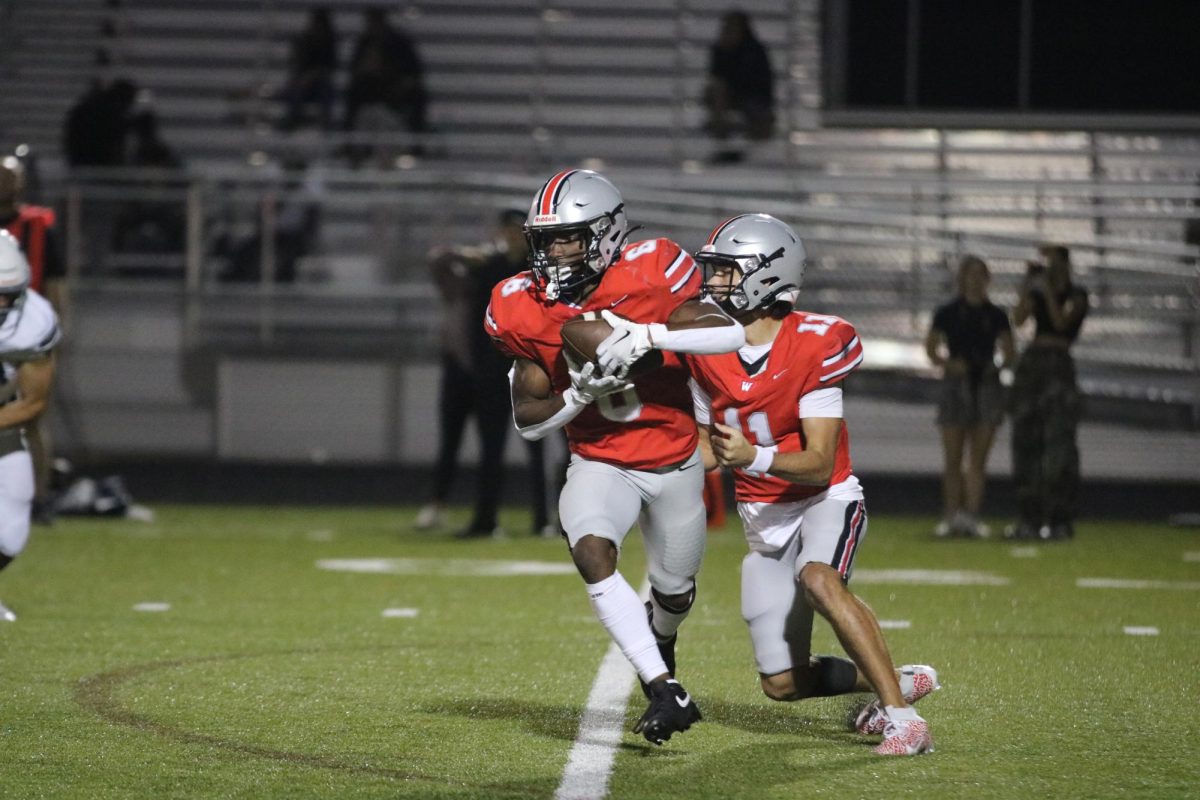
[(634, 446), (772, 412)]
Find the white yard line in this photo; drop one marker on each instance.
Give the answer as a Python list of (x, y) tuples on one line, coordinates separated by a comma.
[(1141, 630), (591, 760), (152, 607), (1191, 556), (1125, 583), (895, 624)]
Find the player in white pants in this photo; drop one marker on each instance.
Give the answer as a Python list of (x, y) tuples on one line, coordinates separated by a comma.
[(772, 412), (28, 334)]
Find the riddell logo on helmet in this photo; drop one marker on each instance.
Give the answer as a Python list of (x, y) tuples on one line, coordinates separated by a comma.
[(550, 218)]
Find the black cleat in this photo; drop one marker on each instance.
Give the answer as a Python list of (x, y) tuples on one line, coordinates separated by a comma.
[(666, 649), (671, 711)]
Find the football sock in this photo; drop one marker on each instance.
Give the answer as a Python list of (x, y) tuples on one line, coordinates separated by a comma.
[(667, 619), (833, 676), (623, 615)]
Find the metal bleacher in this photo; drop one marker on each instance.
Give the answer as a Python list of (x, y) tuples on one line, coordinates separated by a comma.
[(520, 88)]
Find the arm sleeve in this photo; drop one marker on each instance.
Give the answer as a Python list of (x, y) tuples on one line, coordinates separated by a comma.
[(701, 341), (822, 403), (573, 404)]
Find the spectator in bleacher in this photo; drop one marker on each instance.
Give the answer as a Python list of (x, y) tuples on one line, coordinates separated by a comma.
[(34, 229), (312, 62), (963, 340), (475, 380), (96, 127), (740, 94), (1046, 404), (145, 225), (296, 213), (385, 70)]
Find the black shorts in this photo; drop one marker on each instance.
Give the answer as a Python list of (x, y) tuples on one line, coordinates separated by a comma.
[(965, 403)]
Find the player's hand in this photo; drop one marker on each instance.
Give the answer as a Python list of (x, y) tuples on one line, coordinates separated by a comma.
[(590, 386), (628, 342), (730, 447)]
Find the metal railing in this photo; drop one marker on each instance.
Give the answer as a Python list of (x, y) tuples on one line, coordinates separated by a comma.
[(886, 267)]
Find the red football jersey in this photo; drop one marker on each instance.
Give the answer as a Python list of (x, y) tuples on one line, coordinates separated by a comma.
[(648, 426), (811, 351)]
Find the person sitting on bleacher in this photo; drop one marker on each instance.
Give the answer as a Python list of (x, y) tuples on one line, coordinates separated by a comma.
[(740, 94), (385, 70)]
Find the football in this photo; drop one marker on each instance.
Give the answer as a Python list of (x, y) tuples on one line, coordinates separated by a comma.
[(583, 334)]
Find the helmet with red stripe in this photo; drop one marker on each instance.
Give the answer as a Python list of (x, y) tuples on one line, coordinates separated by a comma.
[(752, 262), (576, 228), (14, 276)]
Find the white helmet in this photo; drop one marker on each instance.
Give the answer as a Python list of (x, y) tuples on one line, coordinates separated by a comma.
[(14, 274), (767, 254), (575, 202)]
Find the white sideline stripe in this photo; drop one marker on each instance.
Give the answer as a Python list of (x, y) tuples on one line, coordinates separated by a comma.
[(446, 566), (400, 613), (895, 624), (591, 760), (1123, 583), (1193, 556), (929, 577), (152, 607), (1141, 630), (1024, 551)]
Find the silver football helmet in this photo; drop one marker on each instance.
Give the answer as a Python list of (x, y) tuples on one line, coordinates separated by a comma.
[(14, 275), (575, 204), (767, 258)]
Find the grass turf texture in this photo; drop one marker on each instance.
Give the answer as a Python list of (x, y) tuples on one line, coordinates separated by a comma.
[(270, 678)]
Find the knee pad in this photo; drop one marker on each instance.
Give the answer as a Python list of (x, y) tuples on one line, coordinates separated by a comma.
[(661, 600)]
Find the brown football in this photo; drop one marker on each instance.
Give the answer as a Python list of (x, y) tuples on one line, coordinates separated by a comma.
[(583, 334)]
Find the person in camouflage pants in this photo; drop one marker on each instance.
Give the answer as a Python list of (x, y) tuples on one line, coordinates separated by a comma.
[(1046, 403)]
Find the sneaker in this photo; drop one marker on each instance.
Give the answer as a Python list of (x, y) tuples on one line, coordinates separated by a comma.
[(1022, 530), (671, 711), (429, 517), (42, 513), (666, 649), (916, 681), (905, 735), (1062, 531), (943, 529), (6, 614), (547, 532)]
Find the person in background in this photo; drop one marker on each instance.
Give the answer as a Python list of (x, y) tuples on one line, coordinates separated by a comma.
[(963, 341), (740, 93), (475, 379), (29, 333), (34, 229), (385, 69), (312, 62), (1046, 404)]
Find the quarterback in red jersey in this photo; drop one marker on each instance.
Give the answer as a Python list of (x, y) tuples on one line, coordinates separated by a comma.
[(772, 412), (634, 446)]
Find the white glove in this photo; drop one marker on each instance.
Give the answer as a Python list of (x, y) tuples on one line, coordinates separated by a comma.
[(588, 387), (628, 342)]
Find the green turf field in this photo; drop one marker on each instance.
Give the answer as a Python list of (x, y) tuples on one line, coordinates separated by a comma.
[(269, 677)]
